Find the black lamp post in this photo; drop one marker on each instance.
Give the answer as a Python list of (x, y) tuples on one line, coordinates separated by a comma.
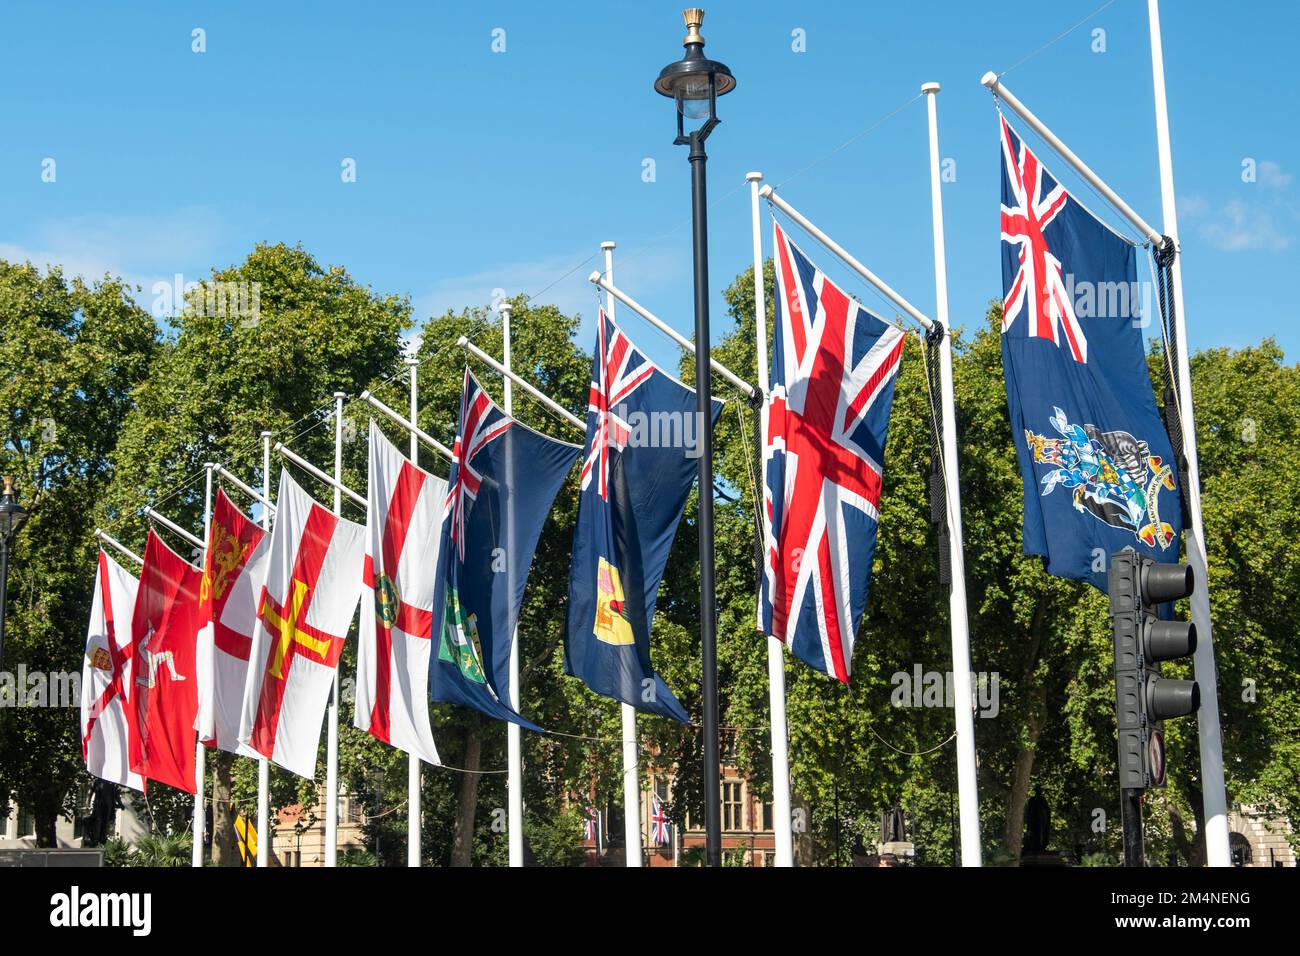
[(12, 517), (695, 83)]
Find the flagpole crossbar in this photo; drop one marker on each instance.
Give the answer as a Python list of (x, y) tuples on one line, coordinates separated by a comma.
[(315, 472), (601, 282), (996, 87), (245, 487), (500, 369), (112, 542), (173, 526), (880, 285), (398, 419)]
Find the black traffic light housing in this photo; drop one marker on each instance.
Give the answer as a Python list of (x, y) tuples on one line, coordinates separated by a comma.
[(1144, 699)]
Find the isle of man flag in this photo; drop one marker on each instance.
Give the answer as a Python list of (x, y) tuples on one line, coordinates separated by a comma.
[(313, 583), (232, 583), (106, 676), (396, 631), (163, 697)]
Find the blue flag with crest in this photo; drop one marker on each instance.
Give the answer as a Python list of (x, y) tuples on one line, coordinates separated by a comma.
[(643, 446), (1098, 468), (504, 478)]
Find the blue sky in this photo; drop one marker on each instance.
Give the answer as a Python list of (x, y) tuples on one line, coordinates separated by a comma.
[(479, 170)]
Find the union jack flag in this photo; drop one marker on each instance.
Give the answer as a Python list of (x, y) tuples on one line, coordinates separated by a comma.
[(591, 825), (834, 366), (659, 826), (1039, 291), (618, 374), (480, 428)]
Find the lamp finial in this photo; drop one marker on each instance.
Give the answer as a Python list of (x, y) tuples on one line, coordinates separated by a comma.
[(694, 17)]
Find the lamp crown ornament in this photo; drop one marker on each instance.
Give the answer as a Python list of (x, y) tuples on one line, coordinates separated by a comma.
[(694, 17), (9, 486)]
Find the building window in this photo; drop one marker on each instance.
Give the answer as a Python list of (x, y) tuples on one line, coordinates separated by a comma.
[(26, 824), (733, 807), (661, 789), (767, 815)]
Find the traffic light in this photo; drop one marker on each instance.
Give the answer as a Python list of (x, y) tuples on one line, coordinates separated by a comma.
[(1143, 698)]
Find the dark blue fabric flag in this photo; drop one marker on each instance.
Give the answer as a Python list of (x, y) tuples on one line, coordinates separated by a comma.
[(1099, 472), (643, 443), (503, 481)]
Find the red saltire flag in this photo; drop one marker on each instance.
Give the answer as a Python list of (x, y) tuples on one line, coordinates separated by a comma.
[(395, 636), (164, 698), (106, 676), (313, 583), (232, 582)]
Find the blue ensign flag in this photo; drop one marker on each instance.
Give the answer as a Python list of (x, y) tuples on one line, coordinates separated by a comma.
[(643, 447), (504, 478), (1099, 472)]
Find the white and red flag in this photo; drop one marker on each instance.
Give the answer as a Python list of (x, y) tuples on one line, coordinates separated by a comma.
[(232, 583), (313, 583), (106, 676), (396, 632), (163, 698)]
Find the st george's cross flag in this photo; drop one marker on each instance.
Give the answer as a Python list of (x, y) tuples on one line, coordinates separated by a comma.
[(164, 695), (233, 577), (396, 633), (106, 676), (643, 448), (504, 478), (304, 610), (1098, 469), (834, 366)]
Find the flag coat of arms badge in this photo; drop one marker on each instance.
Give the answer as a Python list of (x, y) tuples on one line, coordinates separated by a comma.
[(642, 453), (1098, 468), (304, 610), (106, 676), (504, 478), (834, 366), (164, 696), (396, 631), (235, 571)]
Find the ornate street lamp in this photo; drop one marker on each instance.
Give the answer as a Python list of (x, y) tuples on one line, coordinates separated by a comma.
[(12, 517), (694, 83)]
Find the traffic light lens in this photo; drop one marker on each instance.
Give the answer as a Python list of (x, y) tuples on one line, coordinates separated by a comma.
[(1167, 582), (1167, 699), (1169, 640)]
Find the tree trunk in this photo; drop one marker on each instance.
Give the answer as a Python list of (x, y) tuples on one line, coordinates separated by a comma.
[(1013, 836), (46, 827), (224, 850), (462, 846)]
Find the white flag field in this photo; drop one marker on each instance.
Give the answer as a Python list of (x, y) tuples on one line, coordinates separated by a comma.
[(313, 583), (106, 676), (397, 625)]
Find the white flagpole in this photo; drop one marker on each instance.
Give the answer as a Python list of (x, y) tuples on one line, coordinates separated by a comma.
[(967, 783), (514, 745), (413, 762), (631, 774), (263, 764), (1213, 791), (782, 822), (196, 851), (112, 542), (332, 716)]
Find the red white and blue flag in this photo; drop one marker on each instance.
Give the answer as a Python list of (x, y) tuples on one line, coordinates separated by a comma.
[(660, 828), (834, 366)]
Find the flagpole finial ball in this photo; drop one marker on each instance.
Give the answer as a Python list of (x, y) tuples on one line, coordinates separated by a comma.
[(340, 394), (989, 79), (608, 244), (930, 87), (694, 17), (594, 277), (753, 177)]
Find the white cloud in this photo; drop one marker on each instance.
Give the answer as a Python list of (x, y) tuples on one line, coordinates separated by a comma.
[(559, 280), (1240, 226), (141, 249), (1271, 175)]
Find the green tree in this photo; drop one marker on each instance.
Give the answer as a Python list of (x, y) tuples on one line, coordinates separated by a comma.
[(70, 356)]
